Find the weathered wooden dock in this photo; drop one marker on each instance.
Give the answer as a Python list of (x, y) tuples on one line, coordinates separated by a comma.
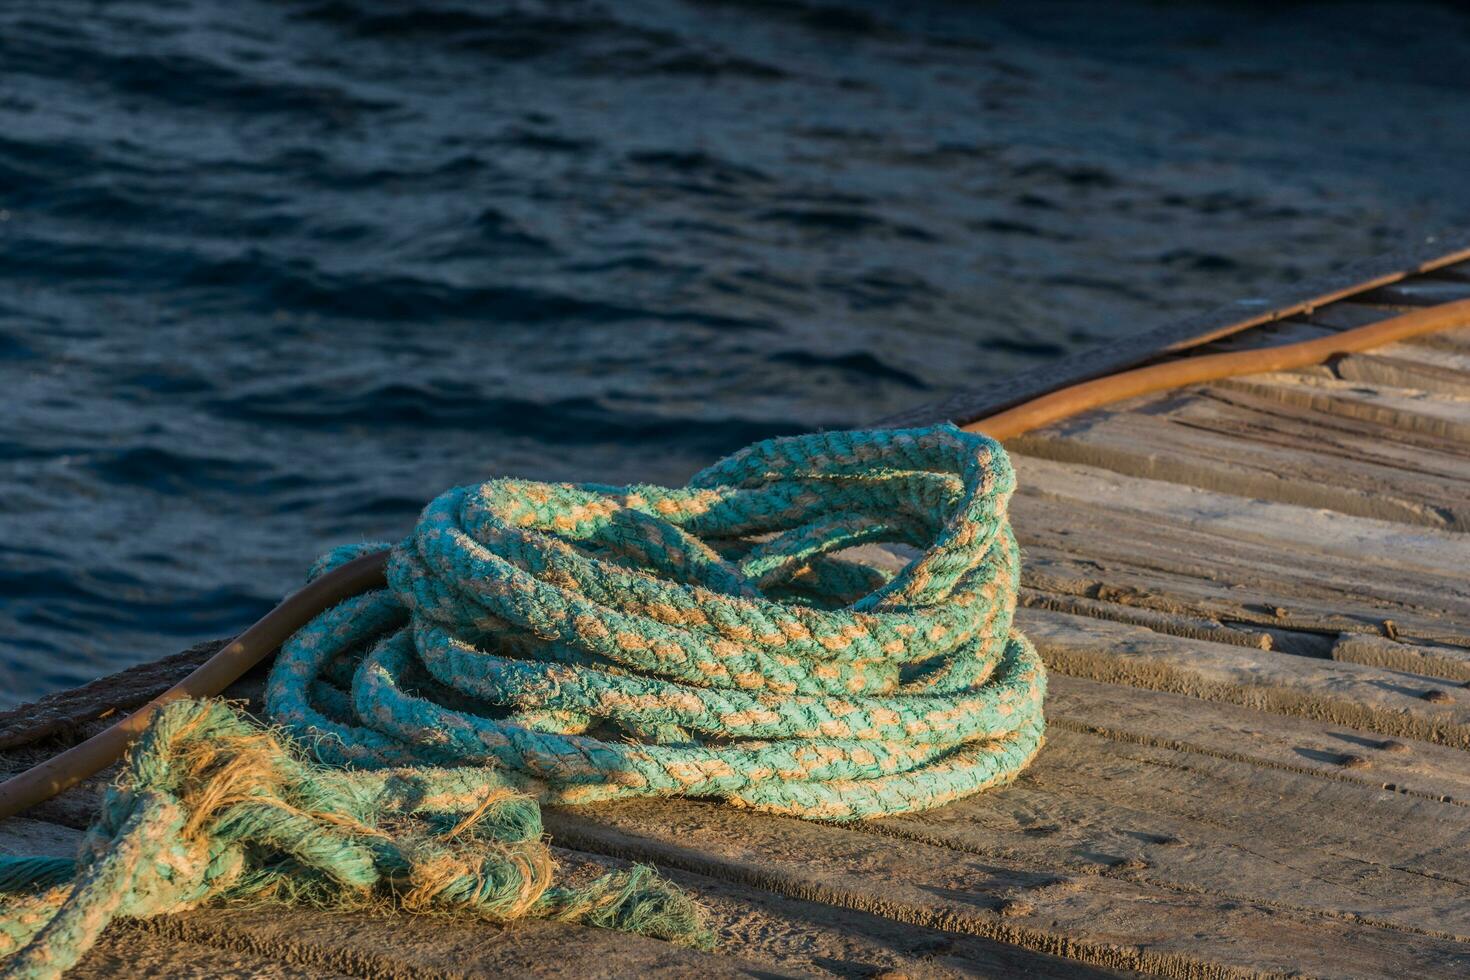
[(1253, 597)]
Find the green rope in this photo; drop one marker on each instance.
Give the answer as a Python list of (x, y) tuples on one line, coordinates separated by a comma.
[(595, 642), (569, 643), (212, 807)]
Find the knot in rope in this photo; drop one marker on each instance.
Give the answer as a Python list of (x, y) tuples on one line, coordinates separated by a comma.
[(591, 642), (212, 806)]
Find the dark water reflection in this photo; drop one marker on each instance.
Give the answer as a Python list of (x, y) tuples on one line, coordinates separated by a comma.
[(277, 272)]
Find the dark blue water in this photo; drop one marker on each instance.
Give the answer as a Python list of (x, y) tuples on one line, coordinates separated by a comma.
[(275, 272)]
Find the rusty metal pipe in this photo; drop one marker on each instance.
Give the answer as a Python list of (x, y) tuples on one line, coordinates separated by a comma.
[(1083, 397)]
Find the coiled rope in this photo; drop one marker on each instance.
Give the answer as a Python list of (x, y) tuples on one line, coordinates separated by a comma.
[(572, 643), (596, 642)]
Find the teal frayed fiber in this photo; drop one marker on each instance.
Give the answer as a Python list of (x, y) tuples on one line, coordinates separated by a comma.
[(212, 807), (594, 642), (22, 873)]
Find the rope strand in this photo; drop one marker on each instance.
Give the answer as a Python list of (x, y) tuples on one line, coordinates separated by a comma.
[(212, 807)]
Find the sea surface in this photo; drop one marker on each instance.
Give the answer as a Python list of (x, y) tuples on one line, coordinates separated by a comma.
[(273, 273)]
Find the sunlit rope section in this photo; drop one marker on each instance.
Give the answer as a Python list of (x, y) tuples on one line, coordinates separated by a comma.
[(590, 642)]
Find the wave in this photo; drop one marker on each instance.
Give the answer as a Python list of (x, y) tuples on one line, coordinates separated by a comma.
[(450, 405)]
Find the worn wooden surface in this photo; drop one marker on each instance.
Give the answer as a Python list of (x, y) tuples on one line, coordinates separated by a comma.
[(1253, 599)]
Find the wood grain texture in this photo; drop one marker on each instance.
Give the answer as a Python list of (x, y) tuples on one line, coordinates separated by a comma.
[(1114, 918), (1190, 823), (1201, 564), (1423, 364), (1406, 411), (1307, 746), (1372, 699), (1281, 439), (1231, 518)]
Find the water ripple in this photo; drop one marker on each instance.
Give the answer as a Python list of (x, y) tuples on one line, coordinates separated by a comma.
[(275, 272)]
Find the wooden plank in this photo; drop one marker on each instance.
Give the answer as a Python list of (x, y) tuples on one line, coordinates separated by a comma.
[(1196, 627), (1207, 825), (1451, 663), (131, 949), (1232, 518), (376, 945), (1374, 699), (1115, 920), (790, 936), (1126, 352), (1424, 413), (1440, 372), (1087, 554), (1170, 585), (1222, 568), (1227, 731), (1246, 442), (66, 711), (1310, 626)]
